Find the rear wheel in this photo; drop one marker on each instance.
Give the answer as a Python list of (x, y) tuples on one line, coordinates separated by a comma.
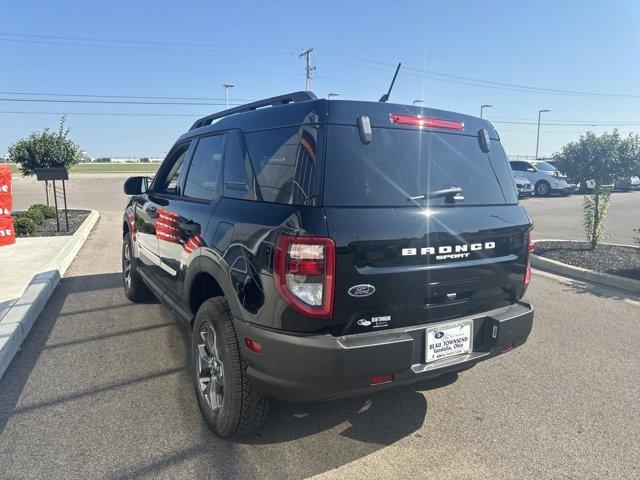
[(229, 404), (134, 287), (543, 188)]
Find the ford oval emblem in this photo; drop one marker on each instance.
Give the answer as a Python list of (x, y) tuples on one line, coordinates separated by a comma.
[(363, 290), (439, 335)]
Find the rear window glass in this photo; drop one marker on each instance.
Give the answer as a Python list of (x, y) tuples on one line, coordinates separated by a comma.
[(285, 164), (399, 164)]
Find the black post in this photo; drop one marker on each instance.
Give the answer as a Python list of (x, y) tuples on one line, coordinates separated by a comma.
[(46, 191), (66, 214), (55, 198)]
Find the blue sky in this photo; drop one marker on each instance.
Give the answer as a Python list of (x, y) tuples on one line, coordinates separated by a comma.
[(452, 50)]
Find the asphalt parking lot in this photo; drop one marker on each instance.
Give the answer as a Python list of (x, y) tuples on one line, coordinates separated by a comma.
[(100, 388)]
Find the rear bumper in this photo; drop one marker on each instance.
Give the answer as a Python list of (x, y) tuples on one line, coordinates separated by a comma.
[(320, 367)]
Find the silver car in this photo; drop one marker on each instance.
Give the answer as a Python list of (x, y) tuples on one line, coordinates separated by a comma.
[(524, 186)]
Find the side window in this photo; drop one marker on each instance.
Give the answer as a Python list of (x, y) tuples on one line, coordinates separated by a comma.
[(172, 170), (284, 161), (517, 166), (239, 181), (204, 170)]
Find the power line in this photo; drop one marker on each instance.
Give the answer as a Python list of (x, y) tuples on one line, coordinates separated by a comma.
[(432, 74), (146, 42), (118, 96), (109, 102)]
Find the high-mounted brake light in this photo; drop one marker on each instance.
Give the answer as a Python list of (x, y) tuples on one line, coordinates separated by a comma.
[(425, 122), (304, 273), (530, 247)]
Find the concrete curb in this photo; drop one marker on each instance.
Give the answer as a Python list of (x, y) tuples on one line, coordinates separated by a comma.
[(579, 273), (22, 314)]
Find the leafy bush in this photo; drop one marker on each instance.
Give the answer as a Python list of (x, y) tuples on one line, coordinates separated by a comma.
[(24, 225), (34, 214), (45, 149), (49, 211)]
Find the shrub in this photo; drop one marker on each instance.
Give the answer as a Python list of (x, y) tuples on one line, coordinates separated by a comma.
[(34, 214), (49, 211), (24, 225), (45, 149)]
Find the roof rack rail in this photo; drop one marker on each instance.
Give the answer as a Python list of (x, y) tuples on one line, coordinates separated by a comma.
[(294, 97)]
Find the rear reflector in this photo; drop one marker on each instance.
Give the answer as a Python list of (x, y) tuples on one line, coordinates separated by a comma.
[(378, 379), (253, 345), (425, 122)]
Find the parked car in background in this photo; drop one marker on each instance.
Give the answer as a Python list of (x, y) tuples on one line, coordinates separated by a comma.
[(627, 184), (524, 186), (544, 176)]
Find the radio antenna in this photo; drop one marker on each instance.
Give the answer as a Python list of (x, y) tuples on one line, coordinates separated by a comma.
[(385, 97)]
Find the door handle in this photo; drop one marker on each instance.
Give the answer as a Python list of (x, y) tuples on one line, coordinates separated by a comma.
[(190, 226)]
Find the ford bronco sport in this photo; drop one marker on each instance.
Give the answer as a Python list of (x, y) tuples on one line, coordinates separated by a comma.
[(319, 249)]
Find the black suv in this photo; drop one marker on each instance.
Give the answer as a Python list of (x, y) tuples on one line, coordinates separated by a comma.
[(320, 249)]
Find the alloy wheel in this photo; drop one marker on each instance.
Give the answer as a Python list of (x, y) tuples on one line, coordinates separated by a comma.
[(210, 368), (126, 264)]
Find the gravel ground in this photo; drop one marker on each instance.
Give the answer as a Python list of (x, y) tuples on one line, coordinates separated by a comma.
[(48, 227), (612, 259)]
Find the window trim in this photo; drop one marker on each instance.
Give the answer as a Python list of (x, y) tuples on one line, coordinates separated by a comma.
[(162, 172)]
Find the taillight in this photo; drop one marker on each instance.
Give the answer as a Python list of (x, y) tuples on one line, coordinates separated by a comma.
[(425, 122), (304, 273), (529, 250)]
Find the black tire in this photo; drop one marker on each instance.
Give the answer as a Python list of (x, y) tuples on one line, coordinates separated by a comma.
[(238, 408), (134, 287), (543, 189)]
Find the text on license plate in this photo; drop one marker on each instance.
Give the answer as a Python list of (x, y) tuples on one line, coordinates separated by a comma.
[(449, 339)]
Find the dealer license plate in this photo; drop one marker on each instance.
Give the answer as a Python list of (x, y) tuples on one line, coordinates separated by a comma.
[(449, 339)]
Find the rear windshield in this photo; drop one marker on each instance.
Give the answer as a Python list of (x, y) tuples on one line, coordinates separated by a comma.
[(399, 164)]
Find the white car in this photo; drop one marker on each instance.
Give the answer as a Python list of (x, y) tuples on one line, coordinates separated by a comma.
[(524, 186), (545, 177)]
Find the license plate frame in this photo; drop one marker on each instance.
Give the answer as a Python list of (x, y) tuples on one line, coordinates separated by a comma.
[(451, 331)]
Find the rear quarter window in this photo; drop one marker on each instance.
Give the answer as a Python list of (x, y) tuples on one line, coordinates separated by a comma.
[(399, 164), (285, 162)]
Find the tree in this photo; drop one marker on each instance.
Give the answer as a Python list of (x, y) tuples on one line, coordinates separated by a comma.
[(103, 160), (144, 160), (45, 149), (604, 159)]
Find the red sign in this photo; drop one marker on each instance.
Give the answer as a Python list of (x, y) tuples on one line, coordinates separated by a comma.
[(5, 190), (7, 234)]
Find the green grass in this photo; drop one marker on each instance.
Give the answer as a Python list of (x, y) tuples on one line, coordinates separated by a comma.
[(115, 168), (106, 168)]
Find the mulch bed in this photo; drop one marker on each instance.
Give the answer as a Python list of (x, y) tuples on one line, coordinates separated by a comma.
[(48, 227), (611, 259)]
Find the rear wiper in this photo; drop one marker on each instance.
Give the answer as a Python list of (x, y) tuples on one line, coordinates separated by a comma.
[(445, 192)]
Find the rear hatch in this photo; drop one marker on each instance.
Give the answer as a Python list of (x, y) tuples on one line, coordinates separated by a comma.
[(403, 261)]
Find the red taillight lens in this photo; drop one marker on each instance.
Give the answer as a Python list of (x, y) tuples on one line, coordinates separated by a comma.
[(529, 250), (378, 379), (425, 122), (304, 273)]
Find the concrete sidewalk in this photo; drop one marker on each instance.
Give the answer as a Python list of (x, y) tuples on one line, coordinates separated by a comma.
[(31, 269), (22, 261)]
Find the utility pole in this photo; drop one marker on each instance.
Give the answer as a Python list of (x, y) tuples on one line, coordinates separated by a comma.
[(332, 94), (227, 86), (309, 69), (540, 112), (482, 107), (415, 102)]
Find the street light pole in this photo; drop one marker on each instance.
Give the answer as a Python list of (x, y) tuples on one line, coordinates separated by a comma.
[(415, 102), (332, 94), (482, 107), (540, 112), (227, 86)]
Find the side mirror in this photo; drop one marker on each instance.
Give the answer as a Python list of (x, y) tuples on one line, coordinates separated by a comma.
[(531, 169), (136, 185)]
